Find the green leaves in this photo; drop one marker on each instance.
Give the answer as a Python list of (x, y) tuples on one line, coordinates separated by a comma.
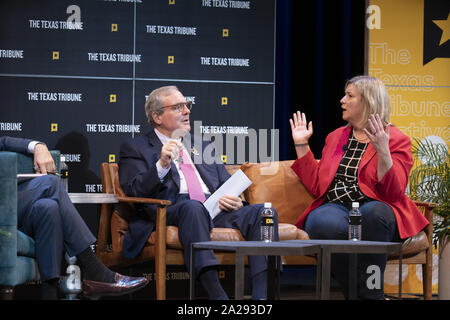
[(429, 181)]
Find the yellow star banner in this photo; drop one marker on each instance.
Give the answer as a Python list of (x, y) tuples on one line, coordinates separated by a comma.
[(409, 50), (445, 27)]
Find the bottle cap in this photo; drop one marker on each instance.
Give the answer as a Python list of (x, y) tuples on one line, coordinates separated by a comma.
[(355, 204), (267, 205)]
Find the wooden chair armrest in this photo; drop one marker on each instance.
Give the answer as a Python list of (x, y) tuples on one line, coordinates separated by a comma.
[(427, 267), (428, 208), (428, 213), (425, 204), (144, 200)]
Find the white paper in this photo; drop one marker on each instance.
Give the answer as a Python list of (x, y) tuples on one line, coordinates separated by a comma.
[(30, 175), (27, 176), (234, 186)]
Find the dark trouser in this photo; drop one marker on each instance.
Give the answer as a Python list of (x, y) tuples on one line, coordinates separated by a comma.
[(330, 221), (46, 214), (194, 225)]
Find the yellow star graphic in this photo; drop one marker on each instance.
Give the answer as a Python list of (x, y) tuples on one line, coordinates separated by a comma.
[(445, 26)]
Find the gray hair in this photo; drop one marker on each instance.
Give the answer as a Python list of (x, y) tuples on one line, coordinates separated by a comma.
[(154, 103), (374, 97)]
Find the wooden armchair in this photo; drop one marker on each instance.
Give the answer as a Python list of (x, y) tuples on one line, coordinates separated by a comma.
[(109, 250), (418, 249), (163, 246)]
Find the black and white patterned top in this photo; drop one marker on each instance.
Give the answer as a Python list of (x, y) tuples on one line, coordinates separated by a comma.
[(344, 189)]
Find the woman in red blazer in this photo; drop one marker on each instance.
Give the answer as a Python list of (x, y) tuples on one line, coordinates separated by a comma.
[(367, 161)]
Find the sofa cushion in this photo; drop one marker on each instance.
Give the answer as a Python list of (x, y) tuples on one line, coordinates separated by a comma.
[(302, 235), (412, 246), (119, 226), (275, 182), (286, 232), (217, 234), (25, 245)]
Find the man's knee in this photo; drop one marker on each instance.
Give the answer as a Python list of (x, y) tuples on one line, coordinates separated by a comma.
[(50, 179), (192, 205), (48, 182), (194, 209), (257, 210), (46, 211)]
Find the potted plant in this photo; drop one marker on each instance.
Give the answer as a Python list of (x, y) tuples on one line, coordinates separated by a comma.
[(4, 233), (429, 181)]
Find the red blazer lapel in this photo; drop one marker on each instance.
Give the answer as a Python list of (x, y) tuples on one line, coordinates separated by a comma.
[(343, 140), (331, 158), (367, 156)]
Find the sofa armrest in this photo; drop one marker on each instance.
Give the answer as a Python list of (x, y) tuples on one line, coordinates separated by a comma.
[(159, 202), (25, 162), (8, 212)]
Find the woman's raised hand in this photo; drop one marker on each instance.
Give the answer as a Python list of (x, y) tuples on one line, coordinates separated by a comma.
[(301, 132)]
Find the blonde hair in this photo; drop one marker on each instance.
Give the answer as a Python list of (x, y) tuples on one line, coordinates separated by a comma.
[(155, 104), (374, 97)]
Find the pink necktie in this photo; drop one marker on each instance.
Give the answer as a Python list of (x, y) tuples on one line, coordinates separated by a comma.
[(193, 184)]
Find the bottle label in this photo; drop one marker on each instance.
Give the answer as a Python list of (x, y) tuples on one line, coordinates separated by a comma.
[(267, 222), (64, 173), (353, 220)]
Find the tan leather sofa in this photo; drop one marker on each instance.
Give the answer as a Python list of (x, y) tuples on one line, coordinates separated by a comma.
[(272, 182), (163, 245), (277, 183)]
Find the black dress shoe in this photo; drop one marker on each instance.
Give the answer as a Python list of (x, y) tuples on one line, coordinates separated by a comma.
[(122, 285)]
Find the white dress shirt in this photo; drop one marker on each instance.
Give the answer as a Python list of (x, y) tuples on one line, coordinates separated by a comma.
[(162, 172), (31, 146)]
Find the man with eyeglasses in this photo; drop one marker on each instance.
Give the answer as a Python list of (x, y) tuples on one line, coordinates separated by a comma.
[(156, 165)]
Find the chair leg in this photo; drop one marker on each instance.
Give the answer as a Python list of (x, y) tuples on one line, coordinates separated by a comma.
[(160, 266), (427, 268), (6, 293), (160, 258), (427, 280)]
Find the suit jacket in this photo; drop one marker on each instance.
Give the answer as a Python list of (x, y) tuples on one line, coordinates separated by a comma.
[(139, 178), (19, 145), (318, 176)]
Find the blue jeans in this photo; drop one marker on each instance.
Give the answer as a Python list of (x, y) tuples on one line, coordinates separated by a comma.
[(330, 221)]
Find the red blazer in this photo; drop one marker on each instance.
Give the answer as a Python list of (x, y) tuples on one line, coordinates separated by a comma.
[(318, 176)]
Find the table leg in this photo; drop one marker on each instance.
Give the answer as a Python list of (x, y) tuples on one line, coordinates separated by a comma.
[(239, 277), (318, 274), (271, 278), (352, 276), (325, 274), (192, 276), (400, 274), (278, 263)]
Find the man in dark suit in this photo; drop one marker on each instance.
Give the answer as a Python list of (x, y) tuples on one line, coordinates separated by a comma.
[(46, 214), (152, 166)]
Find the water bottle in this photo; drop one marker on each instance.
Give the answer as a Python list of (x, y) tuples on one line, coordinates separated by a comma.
[(64, 173), (70, 285), (267, 223), (354, 223)]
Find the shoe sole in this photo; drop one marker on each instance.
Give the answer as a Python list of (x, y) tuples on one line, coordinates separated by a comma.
[(114, 294)]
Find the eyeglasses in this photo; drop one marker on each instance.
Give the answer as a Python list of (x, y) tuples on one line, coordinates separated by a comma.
[(180, 106)]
